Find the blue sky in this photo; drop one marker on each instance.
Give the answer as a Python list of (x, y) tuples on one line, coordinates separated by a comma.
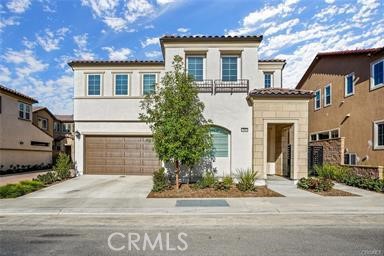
[(38, 37)]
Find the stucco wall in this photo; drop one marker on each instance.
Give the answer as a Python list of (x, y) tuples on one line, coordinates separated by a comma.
[(280, 111), (16, 136), (43, 114), (364, 107)]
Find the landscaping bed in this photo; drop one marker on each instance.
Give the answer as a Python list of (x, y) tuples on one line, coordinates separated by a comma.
[(188, 191), (332, 192)]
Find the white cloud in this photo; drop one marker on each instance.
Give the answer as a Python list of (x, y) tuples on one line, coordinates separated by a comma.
[(153, 54), (82, 50), (18, 6), (182, 30), (163, 2), (118, 54), (282, 26), (117, 24), (138, 8), (101, 7), (366, 10), (5, 74), (25, 61), (50, 40), (27, 43), (150, 41), (332, 10), (11, 21), (329, 1)]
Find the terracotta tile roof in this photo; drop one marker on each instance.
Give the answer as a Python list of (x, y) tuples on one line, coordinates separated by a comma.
[(16, 93), (64, 118), (214, 38), (115, 62), (370, 51), (349, 52), (274, 92), (271, 60)]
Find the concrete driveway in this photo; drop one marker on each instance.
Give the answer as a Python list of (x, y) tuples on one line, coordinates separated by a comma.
[(98, 186)]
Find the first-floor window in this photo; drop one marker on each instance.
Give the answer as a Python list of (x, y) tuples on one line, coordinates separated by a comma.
[(317, 99), (121, 84), (220, 139), (327, 95), (94, 84), (24, 111), (350, 158), (149, 83), (377, 74), (378, 134), (268, 79)]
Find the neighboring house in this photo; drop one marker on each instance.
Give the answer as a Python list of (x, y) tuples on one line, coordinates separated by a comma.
[(63, 130), (21, 143), (346, 117), (43, 119), (110, 138)]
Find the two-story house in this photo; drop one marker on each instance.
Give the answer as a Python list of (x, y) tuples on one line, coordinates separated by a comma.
[(346, 116), (63, 130), (21, 142), (243, 97)]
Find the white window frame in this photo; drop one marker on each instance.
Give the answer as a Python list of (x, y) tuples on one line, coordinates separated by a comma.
[(375, 135), (129, 84), (101, 84), (330, 95), (272, 80), (204, 64), (315, 100), (40, 120), (328, 131), (238, 66), (346, 85), (25, 105), (372, 80), (349, 156), (142, 80)]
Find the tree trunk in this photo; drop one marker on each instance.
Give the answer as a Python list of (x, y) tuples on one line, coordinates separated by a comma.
[(177, 173)]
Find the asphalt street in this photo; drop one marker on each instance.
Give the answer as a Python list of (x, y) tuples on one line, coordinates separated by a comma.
[(192, 235)]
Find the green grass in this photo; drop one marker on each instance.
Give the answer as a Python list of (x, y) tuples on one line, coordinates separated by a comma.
[(19, 189)]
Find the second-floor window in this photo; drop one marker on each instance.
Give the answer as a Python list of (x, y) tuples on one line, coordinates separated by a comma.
[(327, 95), (349, 87), (42, 123), (377, 74), (195, 67), (317, 99), (94, 84), (149, 83), (268, 79), (229, 68), (24, 111), (121, 84)]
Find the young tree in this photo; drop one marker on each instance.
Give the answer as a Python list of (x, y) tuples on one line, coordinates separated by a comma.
[(175, 115)]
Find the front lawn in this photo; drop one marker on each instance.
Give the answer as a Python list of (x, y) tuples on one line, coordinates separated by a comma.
[(20, 189), (190, 191)]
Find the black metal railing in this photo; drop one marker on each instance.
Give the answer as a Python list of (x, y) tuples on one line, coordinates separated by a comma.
[(239, 86), (204, 86)]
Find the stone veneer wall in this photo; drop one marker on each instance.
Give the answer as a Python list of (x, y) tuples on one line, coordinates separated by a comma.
[(332, 150), (368, 171), (281, 110)]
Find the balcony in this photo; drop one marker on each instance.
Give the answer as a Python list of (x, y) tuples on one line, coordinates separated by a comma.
[(220, 86)]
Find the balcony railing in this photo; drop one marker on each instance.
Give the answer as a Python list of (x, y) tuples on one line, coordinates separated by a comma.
[(204, 86), (220, 86)]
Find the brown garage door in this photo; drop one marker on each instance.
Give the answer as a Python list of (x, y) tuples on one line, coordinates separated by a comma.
[(120, 155)]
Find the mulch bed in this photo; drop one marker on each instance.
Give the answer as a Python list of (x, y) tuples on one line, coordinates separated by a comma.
[(186, 191), (333, 192)]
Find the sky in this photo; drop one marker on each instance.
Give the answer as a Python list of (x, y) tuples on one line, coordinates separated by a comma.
[(39, 37)]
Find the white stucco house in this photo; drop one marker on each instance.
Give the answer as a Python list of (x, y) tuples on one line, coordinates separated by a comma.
[(257, 124)]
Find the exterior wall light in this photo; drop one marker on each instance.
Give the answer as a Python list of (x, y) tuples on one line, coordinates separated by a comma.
[(77, 134)]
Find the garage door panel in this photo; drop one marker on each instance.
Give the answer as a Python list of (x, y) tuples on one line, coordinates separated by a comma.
[(120, 155)]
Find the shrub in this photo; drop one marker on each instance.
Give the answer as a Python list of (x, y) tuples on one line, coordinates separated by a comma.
[(221, 185), (160, 182), (228, 180), (207, 181), (47, 178), (19, 189), (62, 166), (247, 180), (331, 171), (316, 184)]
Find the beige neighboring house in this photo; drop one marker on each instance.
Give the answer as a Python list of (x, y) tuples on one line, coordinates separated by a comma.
[(346, 116), (21, 142), (63, 133), (43, 119)]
